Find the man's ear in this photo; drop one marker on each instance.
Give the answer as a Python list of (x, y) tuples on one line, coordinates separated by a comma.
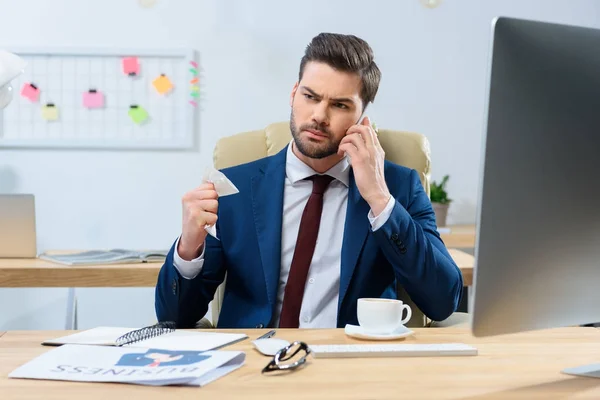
[(293, 94), (362, 114)]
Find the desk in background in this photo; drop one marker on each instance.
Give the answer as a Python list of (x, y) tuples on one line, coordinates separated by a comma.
[(38, 273), (521, 366), (35, 272), (22, 273), (459, 236)]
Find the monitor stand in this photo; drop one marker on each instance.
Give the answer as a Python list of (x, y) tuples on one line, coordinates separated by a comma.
[(588, 371)]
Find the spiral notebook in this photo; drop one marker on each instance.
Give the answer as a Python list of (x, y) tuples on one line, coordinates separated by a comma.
[(159, 336)]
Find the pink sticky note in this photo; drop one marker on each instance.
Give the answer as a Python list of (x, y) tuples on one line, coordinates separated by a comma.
[(93, 99), (30, 91), (131, 66)]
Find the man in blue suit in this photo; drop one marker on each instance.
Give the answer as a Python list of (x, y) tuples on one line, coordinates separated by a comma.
[(324, 222)]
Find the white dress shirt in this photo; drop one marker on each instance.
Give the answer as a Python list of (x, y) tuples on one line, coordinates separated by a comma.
[(320, 300)]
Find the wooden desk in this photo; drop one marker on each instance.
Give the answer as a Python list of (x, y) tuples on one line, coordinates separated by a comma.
[(460, 236), (465, 262), (35, 272), (523, 366)]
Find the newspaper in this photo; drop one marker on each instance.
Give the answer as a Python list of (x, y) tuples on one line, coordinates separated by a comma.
[(141, 366)]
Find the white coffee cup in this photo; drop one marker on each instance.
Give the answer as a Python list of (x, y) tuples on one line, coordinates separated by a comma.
[(382, 316)]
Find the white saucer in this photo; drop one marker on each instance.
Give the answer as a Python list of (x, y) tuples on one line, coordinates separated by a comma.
[(358, 332)]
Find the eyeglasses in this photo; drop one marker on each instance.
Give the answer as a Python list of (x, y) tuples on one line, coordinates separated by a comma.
[(286, 358)]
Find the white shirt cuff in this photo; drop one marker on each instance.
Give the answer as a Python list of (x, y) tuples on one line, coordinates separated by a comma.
[(188, 269), (378, 221)]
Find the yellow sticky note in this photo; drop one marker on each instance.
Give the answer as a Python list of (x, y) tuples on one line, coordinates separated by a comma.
[(162, 84), (50, 112)]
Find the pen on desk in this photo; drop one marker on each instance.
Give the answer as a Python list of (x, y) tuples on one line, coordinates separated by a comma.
[(267, 335)]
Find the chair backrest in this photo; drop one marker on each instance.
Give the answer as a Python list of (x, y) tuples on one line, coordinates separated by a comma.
[(404, 148)]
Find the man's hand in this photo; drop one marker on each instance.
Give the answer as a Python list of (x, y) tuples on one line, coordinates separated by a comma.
[(362, 145), (200, 207)]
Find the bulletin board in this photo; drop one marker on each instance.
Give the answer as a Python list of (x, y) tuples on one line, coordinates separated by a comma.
[(103, 98)]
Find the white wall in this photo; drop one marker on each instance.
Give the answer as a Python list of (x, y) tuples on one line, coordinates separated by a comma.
[(434, 70)]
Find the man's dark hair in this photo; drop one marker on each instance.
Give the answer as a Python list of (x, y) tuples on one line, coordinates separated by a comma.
[(346, 53)]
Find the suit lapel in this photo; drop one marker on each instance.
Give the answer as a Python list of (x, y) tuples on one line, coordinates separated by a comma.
[(356, 230), (267, 205)]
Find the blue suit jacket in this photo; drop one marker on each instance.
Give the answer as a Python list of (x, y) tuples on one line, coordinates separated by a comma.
[(407, 249)]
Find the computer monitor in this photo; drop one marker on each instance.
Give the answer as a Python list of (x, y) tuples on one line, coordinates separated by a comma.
[(17, 226), (538, 226)]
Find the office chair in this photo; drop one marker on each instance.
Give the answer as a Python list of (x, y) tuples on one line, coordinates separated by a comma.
[(404, 148)]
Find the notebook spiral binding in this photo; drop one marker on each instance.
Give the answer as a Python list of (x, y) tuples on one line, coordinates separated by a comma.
[(148, 332)]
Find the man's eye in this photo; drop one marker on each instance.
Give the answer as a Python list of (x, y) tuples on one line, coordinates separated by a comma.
[(341, 105), (309, 96)]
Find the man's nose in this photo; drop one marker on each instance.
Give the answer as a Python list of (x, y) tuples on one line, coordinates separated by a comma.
[(321, 114)]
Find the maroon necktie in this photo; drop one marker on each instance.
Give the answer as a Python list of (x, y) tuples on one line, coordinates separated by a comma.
[(303, 253)]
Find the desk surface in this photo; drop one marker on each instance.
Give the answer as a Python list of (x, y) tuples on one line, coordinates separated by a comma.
[(35, 272), (41, 273), (460, 236), (523, 366)]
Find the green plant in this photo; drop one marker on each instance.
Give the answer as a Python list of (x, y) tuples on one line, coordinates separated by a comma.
[(438, 192)]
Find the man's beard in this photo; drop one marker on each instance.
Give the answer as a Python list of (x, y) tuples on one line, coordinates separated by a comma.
[(313, 149)]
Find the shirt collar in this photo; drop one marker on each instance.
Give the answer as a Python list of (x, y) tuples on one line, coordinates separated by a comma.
[(296, 170)]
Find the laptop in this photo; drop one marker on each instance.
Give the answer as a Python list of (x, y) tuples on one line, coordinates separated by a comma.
[(17, 226)]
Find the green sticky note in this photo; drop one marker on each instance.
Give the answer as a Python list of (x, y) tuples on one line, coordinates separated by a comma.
[(137, 114), (193, 71), (195, 94)]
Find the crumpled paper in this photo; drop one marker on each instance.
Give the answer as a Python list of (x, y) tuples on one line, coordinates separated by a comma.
[(223, 187)]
